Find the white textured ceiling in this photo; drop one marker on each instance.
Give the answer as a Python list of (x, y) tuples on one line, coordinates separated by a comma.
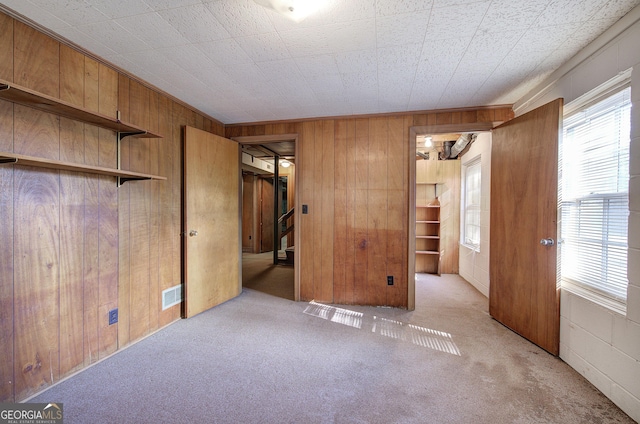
[(239, 62)]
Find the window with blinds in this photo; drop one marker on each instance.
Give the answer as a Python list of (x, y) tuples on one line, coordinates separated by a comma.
[(472, 200), (594, 198)]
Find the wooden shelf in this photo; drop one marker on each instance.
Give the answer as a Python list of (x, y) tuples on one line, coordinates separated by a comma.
[(26, 97), (12, 158), (428, 254)]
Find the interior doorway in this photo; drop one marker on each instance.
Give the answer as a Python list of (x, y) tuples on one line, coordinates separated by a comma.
[(434, 203), (268, 215)]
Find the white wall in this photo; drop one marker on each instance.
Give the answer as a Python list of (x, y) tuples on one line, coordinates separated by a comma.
[(602, 345), (474, 265)]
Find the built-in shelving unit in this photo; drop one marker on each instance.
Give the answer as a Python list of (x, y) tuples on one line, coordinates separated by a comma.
[(27, 97), (428, 253)]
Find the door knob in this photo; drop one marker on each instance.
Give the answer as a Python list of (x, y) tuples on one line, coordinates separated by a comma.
[(193, 233), (547, 242)]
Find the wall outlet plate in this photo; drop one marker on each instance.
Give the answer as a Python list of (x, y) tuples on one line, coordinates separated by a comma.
[(390, 280), (113, 316)]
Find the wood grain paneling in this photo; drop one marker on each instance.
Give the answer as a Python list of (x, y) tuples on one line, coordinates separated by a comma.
[(72, 222), (36, 60), (6, 48), (108, 264), (34, 132), (523, 294), (139, 218), (324, 285), (36, 279), (72, 228), (6, 284), (168, 234), (340, 210)]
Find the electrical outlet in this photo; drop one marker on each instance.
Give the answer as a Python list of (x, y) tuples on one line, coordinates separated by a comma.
[(305, 209), (390, 280), (113, 316)]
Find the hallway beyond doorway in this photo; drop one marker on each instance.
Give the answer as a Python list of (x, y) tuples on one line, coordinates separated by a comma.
[(259, 273)]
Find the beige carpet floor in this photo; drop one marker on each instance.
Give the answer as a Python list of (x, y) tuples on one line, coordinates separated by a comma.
[(260, 358)]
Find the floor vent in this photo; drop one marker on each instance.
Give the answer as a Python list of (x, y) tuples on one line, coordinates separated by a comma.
[(171, 296)]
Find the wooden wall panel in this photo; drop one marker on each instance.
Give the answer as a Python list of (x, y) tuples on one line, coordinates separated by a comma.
[(153, 191), (340, 210), (124, 236), (36, 60), (168, 234), (36, 279), (6, 48), (306, 190), (139, 219), (72, 233), (6, 282), (108, 264), (361, 259), (179, 121), (325, 282), (72, 223), (92, 318)]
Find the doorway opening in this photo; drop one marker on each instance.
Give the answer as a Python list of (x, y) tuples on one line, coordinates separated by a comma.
[(268, 214), (435, 202)]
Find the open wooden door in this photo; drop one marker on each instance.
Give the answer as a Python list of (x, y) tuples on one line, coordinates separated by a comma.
[(211, 220), (524, 200)]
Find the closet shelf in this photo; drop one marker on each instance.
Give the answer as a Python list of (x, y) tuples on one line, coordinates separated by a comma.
[(427, 252), (16, 159), (27, 97)]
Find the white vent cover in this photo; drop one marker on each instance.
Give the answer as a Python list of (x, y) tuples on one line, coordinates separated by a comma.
[(171, 296)]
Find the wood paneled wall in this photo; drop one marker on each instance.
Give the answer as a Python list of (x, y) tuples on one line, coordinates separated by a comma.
[(73, 245), (354, 175)]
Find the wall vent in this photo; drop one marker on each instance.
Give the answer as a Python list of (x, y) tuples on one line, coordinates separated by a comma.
[(171, 296)]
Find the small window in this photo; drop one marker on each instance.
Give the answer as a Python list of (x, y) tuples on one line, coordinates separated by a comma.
[(471, 204), (594, 199)]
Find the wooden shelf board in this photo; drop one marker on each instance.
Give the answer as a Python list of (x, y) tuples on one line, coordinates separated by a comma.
[(428, 183), (17, 159), (24, 96), (429, 206), (427, 252), (429, 237), (427, 222)]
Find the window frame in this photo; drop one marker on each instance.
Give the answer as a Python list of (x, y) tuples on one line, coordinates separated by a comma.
[(587, 290), (475, 163)]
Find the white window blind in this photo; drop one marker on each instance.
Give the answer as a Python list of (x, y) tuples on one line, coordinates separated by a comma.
[(472, 200), (594, 198)]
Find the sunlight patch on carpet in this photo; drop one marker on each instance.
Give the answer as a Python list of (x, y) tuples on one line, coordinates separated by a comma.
[(333, 314), (419, 336), (398, 330)]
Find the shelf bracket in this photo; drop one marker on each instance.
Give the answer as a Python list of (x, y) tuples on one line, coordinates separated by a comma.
[(124, 134), (8, 160), (121, 135), (122, 180)]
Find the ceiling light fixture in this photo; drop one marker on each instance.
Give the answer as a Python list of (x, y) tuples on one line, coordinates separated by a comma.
[(296, 10), (428, 142), (285, 163)]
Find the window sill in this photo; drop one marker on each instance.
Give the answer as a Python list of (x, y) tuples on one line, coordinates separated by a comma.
[(613, 305), (475, 248)]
